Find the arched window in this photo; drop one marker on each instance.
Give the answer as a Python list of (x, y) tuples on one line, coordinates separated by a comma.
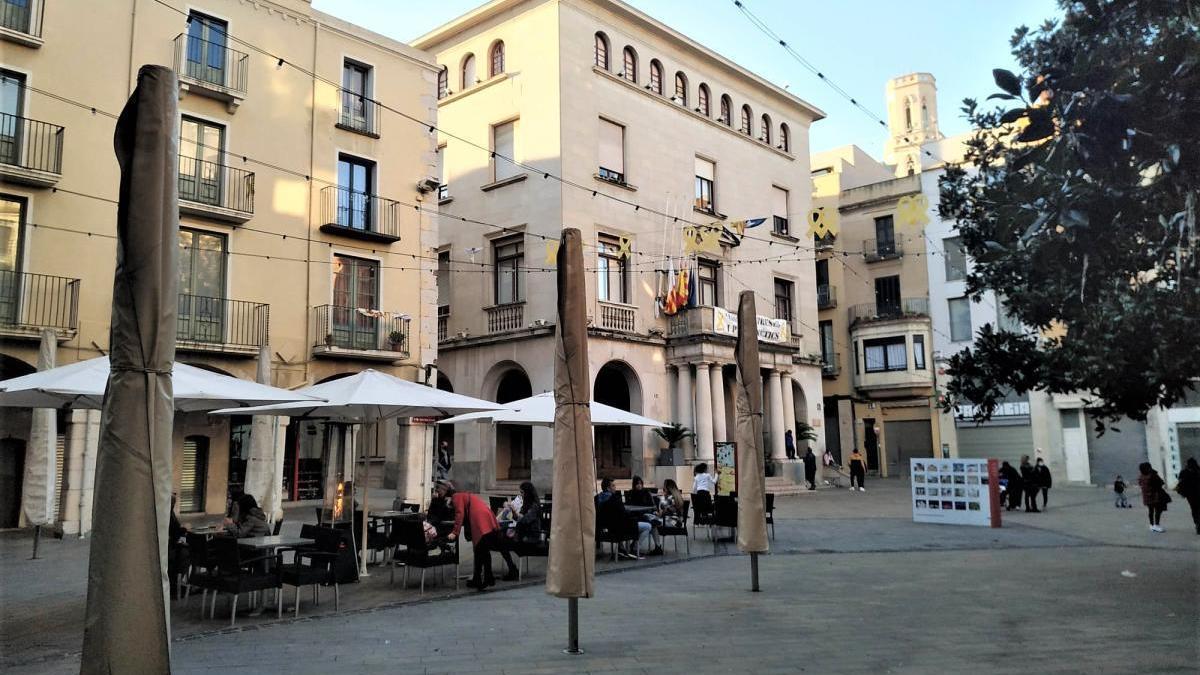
[(656, 77), (602, 50), (702, 100), (908, 115), (765, 133), (924, 115), (726, 111), (630, 64), (681, 89), (468, 72), (496, 59), (785, 138), (443, 82), (746, 115)]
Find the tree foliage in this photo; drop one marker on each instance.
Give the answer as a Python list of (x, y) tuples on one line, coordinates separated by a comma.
[(1078, 206)]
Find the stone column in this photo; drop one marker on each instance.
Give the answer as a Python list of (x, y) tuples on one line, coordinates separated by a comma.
[(789, 408), (704, 413), (683, 409), (717, 375), (778, 449), (76, 433)]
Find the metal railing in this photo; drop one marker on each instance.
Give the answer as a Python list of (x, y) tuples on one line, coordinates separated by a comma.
[(780, 225), (347, 209), (443, 323), (824, 243), (211, 64), (22, 17), (831, 364), (359, 113), (502, 318), (361, 329), (30, 144), (215, 184), (618, 317), (826, 296), (443, 191), (220, 321), (880, 311), (38, 301), (875, 251)]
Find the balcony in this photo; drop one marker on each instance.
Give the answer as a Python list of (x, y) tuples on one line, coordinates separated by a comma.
[(909, 308), (30, 151), (211, 190), (211, 69), (877, 251), (360, 114), (21, 21), (31, 303), (831, 364), (824, 243), (360, 333), (222, 326), (503, 318), (714, 322), (826, 296), (618, 317), (360, 215)]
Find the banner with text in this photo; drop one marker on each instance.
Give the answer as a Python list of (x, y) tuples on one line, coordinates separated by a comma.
[(769, 330)]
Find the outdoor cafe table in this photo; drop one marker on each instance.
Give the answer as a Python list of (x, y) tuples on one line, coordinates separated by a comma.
[(639, 510), (273, 542)]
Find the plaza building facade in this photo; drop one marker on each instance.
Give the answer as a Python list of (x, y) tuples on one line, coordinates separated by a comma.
[(633, 116), (300, 242)]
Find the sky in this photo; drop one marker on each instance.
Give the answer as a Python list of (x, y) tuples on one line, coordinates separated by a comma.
[(859, 44)]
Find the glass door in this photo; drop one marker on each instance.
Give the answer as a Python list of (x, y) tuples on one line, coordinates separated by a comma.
[(355, 295), (201, 146), (12, 104), (206, 45), (354, 193), (12, 212), (201, 286)]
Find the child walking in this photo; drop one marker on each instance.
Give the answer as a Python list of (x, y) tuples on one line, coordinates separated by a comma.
[(1119, 491)]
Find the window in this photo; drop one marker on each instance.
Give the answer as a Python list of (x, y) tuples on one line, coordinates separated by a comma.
[(206, 45), (612, 273), (443, 83), (201, 286), (702, 97), (201, 145), (825, 328), (885, 354), (443, 280), (656, 77), (509, 256), (12, 221), (764, 134), (919, 352), (496, 59), (629, 71), (355, 287), (705, 185), (745, 125), (960, 319), (955, 258), (887, 296), (443, 186), (193, 475), (356, 181), (779, 206), (1005, 320), (504, 151), (710, 288), (908, 115), (601, 51), (785, 138), (468, 72), (681, 89), (12, 105), (612, 151), (885, 236), (355, 94), (726, 111), (783, 299)]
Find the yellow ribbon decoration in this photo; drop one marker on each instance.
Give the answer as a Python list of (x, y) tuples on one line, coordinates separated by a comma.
[(822, 224), (913, 210), (551, 252), (624, 252), (703, 239)]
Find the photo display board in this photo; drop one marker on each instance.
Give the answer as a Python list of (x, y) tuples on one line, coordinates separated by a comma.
[(726, 466), (955, 491)]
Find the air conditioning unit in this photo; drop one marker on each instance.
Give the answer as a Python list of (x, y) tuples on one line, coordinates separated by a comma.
[(426, 185)]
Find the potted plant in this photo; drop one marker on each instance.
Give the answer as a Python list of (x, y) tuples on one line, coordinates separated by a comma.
[(396, 340), (674, 435), (329, 339)]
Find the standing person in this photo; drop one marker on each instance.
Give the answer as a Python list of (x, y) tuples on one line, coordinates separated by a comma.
[(703, 481), (790, 444), (1189, 489), (1012, 488), (442, 463), (482, 530), (1119, 491), (1029, 483), (1044, 481), (858, 470), (810, 469), (1154, 495)]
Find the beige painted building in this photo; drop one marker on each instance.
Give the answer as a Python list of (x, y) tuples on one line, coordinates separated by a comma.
[(299, 239), (623, 108)]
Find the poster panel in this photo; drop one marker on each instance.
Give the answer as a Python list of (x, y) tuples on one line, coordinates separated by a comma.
[(726, 466), (956, 491)]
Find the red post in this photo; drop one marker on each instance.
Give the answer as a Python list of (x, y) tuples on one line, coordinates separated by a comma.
[(993, 468)]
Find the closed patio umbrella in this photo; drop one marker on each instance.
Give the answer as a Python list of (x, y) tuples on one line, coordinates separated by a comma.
[(748, 405), (572, 565), (37, 489), (539, 410), (125, 626)]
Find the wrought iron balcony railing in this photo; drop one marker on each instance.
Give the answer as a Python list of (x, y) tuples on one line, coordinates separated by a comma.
[(220, 324), (31, 145), (359, 114), (214, 67), (367, 332), (826, 296), (831, 364), (361, 215), (31, 302), (884, 311), (874, 250), (216, 186)]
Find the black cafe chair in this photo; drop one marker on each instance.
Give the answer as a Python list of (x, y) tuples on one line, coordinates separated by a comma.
[(420, 555), (315, 565), (703, 514), (680, 530), (770, 512), (236, 575), (725, 513)]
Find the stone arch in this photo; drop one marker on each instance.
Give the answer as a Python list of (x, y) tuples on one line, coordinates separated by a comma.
[(11, 366), (619, 449), (800, 414), (508, 381), (336, 376)]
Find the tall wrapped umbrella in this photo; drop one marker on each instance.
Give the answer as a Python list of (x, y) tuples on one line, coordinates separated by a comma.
[(125, 628), (572, 564), (262, 479), (37, 491), (748, 404)]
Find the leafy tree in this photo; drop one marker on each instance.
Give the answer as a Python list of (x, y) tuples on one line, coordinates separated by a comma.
[(1078, 206)]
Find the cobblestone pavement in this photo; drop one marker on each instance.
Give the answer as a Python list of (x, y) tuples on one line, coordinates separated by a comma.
[(852, 585)]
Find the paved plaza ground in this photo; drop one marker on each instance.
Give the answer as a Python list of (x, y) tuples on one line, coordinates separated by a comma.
[(852, 585)]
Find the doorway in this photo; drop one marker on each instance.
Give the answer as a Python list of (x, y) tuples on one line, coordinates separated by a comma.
[(871, 444), (906, 439), (12, 472), (1075, 449), (614, 444), (514, 442)]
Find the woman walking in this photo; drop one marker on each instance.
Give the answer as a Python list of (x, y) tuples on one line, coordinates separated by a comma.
[(1189, 489), (858, 470), (1154, 495), (1044, 481)]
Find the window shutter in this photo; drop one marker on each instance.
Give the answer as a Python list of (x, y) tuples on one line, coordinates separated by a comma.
[(504, 143), (705, 169), (612, 146), (779, 202)]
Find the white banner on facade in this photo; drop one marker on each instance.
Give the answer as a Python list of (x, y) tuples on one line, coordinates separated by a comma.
[(955, 491), (769, 330)]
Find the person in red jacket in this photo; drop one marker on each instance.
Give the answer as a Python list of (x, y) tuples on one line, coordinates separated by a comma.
[(484, 532)]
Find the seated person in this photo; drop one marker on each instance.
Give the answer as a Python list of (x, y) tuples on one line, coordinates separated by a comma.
[(528, 526), (440, 513), (638, 495), (250, 522), (610, 513), (670, 504)]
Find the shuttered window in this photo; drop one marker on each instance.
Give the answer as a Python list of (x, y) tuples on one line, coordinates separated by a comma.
[(779, 207), (504, 143), (193, 476), (612, 151)]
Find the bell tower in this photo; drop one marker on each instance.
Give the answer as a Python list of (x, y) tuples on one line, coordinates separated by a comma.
[(912, 120)]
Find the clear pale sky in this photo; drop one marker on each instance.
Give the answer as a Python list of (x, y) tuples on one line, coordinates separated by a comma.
[(859, 44)]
